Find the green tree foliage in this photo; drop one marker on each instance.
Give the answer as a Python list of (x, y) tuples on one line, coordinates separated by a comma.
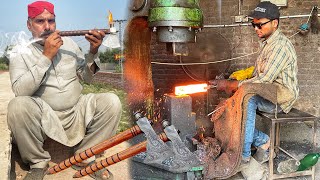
[(4, 60), (109, 55), (4, 63)]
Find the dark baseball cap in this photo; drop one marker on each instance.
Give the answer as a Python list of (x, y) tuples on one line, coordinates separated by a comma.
[(266, 9)]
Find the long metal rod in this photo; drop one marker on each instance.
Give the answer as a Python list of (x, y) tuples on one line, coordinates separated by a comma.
[(80, 32), (226, 25), (249, 24), (134, 150), (239, 12), (97, 149), (77, 32), (287, 153)]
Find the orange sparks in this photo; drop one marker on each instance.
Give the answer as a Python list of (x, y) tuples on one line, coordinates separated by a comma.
[(190, 89)]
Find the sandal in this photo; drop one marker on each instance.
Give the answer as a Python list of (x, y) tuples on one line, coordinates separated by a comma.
[(35, 174), (96, 175), (262, 155)]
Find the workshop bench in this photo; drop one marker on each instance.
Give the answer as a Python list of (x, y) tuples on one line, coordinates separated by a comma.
[(294, 116)]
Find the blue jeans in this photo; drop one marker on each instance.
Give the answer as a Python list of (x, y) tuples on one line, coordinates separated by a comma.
[(253, 136)]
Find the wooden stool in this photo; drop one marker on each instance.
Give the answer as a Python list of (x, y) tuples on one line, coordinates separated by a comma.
[(294, 116)]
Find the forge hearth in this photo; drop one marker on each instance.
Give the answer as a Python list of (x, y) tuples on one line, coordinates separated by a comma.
[(178, 157)]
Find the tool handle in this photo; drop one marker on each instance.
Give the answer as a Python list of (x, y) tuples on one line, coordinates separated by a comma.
[(97, 149), (133, 150)]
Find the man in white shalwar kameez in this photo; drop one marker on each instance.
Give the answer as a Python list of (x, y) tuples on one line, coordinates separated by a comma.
[(48, 100)]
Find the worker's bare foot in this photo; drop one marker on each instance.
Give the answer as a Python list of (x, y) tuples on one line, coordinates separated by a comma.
[(266, 145)]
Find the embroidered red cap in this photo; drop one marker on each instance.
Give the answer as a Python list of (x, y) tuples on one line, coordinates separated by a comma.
[(37, 7)]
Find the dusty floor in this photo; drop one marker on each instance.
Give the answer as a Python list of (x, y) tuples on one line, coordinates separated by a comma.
[(19, 170), (5, 141), (125, 170)]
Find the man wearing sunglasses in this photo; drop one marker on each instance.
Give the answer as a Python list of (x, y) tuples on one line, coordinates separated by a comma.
[(276, 64), (49, 103)]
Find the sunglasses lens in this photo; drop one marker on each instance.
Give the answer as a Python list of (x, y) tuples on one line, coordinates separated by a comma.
[(256, 25), (259, 25)]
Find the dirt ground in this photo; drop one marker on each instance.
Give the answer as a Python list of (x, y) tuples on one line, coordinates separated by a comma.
[(18, 169), (5, 140)]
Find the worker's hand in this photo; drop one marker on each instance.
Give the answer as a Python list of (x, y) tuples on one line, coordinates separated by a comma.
[(52, 45), (228, 86), (95, 38)]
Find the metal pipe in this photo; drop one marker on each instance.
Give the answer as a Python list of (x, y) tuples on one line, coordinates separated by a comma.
[(296, 16), (81, 32), (133, 150), (249, 24), (77, 32), (226, 25), (240, 7), (97, 149)]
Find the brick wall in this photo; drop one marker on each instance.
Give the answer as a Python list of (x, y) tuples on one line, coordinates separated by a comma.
[(243, 41)]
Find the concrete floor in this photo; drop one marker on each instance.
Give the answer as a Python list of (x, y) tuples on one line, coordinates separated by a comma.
[(11, 166)]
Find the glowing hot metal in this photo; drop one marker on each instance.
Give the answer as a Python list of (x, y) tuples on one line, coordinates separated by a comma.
[(191, 89)]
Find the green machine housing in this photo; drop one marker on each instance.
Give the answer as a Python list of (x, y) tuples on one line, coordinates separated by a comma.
[(175, 20)]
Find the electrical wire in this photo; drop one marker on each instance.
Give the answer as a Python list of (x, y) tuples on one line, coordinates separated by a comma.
[(294, 34), (188, 72), (195, 77), (306, 23), (214, 62), (239, 40), (203, 63), (310, 14)]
